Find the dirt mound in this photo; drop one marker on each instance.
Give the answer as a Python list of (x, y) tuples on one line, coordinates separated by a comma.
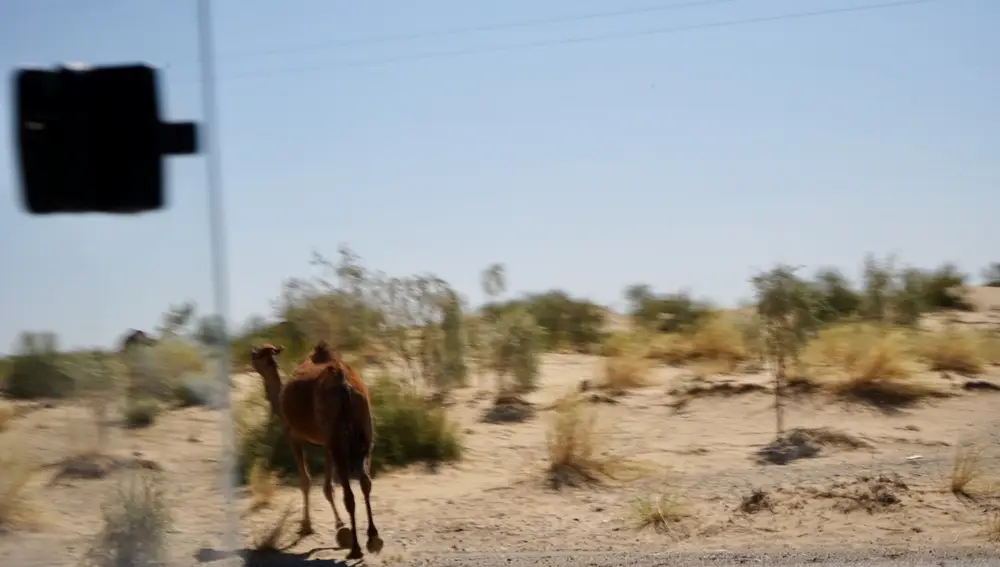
[(509, 409), (869, 493), (804, 443)]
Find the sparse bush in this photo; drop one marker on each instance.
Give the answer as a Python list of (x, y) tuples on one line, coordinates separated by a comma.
[(662, 513), (787, 309), (953, 349), (515, 354), (564, 322), (408, 429), (717, 338), (942, 288), (966, 469), (673, 349), (665, 313), (192, 389), (136, 520), (837, 299), (154, 370), (141, 413), (16, 509), (867, 363), (575, 456), (624, 371)]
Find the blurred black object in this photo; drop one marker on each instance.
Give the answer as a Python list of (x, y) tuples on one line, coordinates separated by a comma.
[(91, 140)]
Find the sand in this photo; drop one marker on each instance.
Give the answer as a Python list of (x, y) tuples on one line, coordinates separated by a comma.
[(889, 489)]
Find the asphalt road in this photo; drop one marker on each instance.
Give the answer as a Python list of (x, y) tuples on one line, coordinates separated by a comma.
[(970, 557)]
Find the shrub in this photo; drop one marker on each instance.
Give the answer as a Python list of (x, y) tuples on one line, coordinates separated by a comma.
[(665, 313), (624, 371), (952, 349), (135, 520), (717, 338), (564, 321), (575, 456), (836, 298), (868, 363), (407, 430), (153, 371), (193, 389), (141, 413), (515, 354), (661, 513), (35, 371)]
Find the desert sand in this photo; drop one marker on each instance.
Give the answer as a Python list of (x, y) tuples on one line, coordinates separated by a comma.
[(882, 484), (890, 491)]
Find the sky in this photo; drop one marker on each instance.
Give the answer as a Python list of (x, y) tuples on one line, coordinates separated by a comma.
[(586, 144)]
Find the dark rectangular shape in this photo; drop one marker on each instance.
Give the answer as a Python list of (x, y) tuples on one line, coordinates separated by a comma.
[(89, 140)]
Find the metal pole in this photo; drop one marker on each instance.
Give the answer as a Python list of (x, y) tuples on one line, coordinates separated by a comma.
[(220, 280)]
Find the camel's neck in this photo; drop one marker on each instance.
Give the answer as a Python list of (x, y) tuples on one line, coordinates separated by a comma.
[(272, 388)]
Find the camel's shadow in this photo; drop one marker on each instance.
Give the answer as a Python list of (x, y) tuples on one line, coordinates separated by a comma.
[(275, 558)]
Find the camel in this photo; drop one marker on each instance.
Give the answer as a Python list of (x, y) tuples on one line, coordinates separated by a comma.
[(325, 403), (136, 337)]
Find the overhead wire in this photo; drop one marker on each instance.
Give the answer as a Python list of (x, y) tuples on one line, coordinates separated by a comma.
[(582, 39)]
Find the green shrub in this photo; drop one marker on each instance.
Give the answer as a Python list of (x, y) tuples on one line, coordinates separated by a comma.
[(565, 322), (141, 413), (37, 376), (666, 313), (193, 389), (407, 430)]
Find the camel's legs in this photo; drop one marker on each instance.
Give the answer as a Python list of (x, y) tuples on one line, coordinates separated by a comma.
[(374, 544), (298, 451), (343, 534), (344, 472)]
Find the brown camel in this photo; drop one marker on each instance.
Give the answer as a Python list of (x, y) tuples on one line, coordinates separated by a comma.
[(325, 403)]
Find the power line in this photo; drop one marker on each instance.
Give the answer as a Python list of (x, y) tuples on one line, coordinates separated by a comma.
[(443, 54), (480, 28)]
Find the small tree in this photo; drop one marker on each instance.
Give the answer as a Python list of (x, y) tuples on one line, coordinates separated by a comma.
[(787, 309), (878, 288)]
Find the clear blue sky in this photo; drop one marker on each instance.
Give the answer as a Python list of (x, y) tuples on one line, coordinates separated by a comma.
[(685, 159)]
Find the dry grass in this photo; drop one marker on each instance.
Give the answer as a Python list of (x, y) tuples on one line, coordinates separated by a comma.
[(670, 348), (6, 416), (953, 349), (662, 513), (966, 469), (718, 338), (136, 521), (16, 510), (575, 457), (866, 363), (263, 486), (624, 371)]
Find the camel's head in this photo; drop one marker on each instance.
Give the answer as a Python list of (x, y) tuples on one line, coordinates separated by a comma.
[(264, 358)]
